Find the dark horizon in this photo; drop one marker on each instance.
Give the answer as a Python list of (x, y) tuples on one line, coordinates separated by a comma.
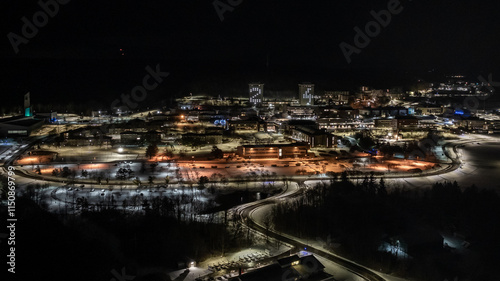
[(76, 55), (64, 80), (432, 34)]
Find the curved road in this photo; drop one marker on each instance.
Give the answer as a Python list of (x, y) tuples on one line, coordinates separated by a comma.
[(455, 164), (244, 212)]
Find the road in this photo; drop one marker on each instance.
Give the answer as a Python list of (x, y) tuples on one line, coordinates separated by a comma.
[(245, 214), (190, 172)]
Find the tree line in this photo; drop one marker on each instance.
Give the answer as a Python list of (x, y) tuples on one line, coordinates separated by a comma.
[(355, 218)]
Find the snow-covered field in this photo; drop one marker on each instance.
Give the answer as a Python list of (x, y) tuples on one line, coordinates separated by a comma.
[(480, 166)]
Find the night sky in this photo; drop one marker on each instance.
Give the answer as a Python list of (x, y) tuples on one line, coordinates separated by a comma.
[(281, 43)]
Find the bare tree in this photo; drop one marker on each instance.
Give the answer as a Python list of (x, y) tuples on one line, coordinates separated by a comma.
[(267, 225)]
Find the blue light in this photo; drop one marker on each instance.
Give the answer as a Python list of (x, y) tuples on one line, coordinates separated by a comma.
[(459, 111), (220, 122)]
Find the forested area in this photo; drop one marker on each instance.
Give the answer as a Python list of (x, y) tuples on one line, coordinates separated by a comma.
[(88, 246), (354, 219)]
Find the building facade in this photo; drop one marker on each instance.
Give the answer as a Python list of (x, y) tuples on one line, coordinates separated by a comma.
[(274, 151), (335, 97), (430, 110), (306, 94), (314, 137), (256, 91)]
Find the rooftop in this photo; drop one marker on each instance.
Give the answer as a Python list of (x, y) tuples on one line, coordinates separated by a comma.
[(20, 121), (275, 145)]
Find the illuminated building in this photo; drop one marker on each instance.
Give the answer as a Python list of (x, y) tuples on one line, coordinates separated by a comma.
[(274, 151), (312, 136), (27, 106), (256, 91), (306, 94)]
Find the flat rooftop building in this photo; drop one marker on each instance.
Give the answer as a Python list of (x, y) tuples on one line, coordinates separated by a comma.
[(19, 126), (274, 151)]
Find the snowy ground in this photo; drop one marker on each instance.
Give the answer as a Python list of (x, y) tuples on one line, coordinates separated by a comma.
[(480, 158), (108, 161), (250, 256), (481, 161), (61, 197), (189, 274), (339, 272), (480, 166)]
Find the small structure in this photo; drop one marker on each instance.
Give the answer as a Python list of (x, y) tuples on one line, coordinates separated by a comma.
[(251, 124), (186, 262), (407, 122), (207, 138), (289, 268), (289, 261), (130, 137)]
